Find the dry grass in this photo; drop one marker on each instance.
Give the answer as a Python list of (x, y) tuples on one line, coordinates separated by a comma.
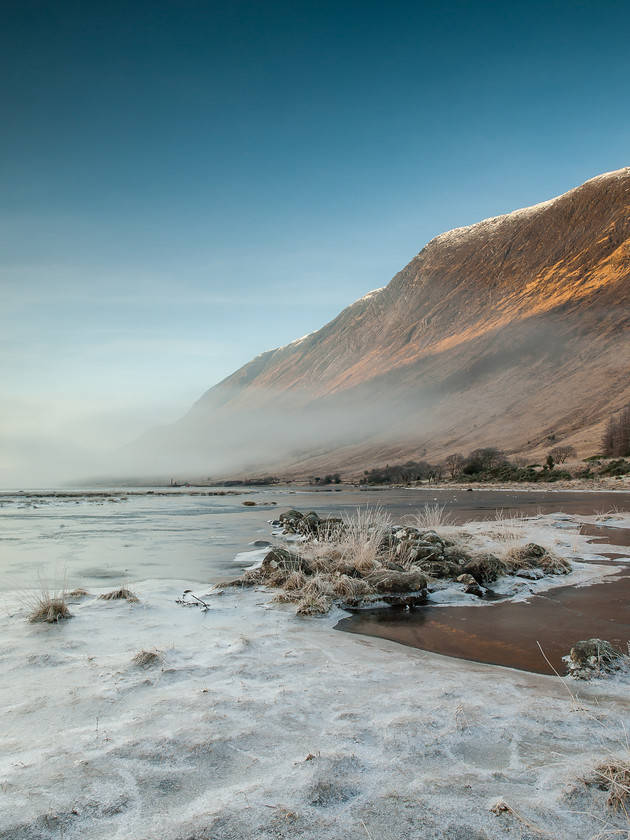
[(432, 516), (362, 538), (353, 588), (78, 593), (48, 603), (614, 776), (313, 605), (485, 568), (122, 594), (295, 581), (252, 577), (532, 556), (147, 658), (50, 610)]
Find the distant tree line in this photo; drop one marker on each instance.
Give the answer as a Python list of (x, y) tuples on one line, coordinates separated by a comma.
[(331, 478), (616, 437), (248, 482), (485, 464), (405, 473)]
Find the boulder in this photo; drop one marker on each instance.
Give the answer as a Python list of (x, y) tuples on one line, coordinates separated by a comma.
[(456, 555), (421, 551), (279, 561), (485, 569), (308, 524), (439, 568), (472, 586), (395, 582), (290, 520)]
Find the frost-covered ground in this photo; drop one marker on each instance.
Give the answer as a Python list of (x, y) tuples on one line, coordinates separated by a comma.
[(255, 723)]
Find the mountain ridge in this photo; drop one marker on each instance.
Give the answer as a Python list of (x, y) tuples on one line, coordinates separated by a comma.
[(514, 328)]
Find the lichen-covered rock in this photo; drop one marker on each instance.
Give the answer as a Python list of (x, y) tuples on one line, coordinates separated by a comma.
[(432, 537)]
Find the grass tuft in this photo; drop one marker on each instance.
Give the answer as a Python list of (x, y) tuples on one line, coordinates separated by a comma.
[(48, 603), (122, 594), (50, 610), (432, 516), (147, 658), (614, 776)]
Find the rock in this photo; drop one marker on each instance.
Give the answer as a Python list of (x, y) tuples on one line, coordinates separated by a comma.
[(485, 569), (290, 519), (406, 533), (328, 527), (348, 569), (530, 574), (472, 586), (394, 582), (279, 560), (394, 567), (308, 524), (417, 553), (534, 550), (594, 657), (456, 555), (439, 568), (431, 537)]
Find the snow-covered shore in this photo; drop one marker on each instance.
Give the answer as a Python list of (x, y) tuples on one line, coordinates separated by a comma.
[(257, 724), (254, 723)]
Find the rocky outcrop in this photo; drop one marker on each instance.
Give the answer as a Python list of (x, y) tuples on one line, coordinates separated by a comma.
[(361, 563)]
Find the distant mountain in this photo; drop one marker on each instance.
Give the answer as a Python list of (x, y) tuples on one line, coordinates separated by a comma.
[(512, 332)]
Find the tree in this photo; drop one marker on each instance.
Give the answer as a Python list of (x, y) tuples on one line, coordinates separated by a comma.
[(454, 463), (561, 453), (616, 437), (486, 459)]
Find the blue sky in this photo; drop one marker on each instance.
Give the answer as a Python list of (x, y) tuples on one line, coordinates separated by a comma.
[(184, 185)]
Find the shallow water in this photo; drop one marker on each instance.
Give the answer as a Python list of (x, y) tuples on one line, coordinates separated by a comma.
[(506, 633), (123, 537), (114, 539)]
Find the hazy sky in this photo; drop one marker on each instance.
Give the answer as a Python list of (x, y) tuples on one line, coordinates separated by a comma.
[(184, 185)]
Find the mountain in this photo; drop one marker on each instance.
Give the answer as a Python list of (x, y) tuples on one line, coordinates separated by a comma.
[(512, 332)]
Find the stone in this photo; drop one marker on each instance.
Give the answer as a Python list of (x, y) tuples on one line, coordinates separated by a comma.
[(439, 568), (394, 582), (282, 560)]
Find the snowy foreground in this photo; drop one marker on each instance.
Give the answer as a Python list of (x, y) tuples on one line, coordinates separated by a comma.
[(254, 723)]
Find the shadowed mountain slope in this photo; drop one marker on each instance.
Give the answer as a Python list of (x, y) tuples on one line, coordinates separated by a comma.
[(502, 333)]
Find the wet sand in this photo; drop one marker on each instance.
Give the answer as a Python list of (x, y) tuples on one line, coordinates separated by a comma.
[(507, 633)]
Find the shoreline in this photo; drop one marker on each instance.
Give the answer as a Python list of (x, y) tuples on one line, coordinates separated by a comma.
[(246, 721), (255, 723)]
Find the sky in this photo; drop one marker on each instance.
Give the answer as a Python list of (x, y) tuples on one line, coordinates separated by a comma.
[(184, 185)]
